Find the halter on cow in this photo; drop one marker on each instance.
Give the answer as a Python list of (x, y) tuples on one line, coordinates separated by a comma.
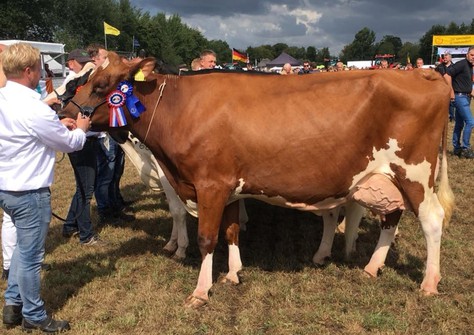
[(308, 142)]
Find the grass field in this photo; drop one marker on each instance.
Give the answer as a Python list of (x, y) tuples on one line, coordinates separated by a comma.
[(131, 287)]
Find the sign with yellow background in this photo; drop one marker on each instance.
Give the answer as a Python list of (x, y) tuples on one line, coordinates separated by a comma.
[(453, 40)]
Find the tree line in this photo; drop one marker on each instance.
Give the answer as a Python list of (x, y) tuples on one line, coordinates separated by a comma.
[(80, 23)]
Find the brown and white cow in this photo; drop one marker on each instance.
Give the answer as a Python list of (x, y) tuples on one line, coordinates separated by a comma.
[(306, 142)]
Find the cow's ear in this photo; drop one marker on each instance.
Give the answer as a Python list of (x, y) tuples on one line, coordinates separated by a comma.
[(141, 68)]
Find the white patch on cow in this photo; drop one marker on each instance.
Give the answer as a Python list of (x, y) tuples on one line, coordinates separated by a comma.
[(384, 157), (191, 207), (239, 188)]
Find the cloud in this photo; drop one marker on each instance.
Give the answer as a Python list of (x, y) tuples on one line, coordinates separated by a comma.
[(326, 23)]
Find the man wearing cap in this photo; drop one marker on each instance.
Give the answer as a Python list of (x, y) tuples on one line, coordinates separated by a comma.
[(459, 76), (442, 68), (78, 221)]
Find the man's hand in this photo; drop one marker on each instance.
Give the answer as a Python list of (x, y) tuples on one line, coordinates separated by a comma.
[(69, 123), (83, 123)]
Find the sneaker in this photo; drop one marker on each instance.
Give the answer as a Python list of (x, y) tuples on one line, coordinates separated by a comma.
[(94, 240), (467, 153), (457, 152), (12, 315), (49, 325)]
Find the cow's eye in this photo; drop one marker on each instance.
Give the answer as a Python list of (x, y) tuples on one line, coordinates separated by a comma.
[(101, 86)]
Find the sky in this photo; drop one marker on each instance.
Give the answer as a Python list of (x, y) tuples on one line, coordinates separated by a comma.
[(303, 23)]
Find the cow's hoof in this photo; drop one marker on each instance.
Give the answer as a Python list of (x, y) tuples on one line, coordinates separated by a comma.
[(177, 258), (232, 281), (195, 302), (373, 272), (169, 250)]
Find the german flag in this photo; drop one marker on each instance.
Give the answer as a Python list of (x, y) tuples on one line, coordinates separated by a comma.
[(239, 56)]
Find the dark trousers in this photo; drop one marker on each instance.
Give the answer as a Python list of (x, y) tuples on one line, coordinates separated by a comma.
[(84, 163)]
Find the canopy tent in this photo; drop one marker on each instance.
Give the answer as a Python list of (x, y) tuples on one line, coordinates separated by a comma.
[(283, 59), (50, 54), (263, 63)]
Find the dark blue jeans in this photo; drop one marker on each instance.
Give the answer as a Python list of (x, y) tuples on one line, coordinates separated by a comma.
[(84, 163), (452, 108), (464, 120), (110, 167), (31, 213)]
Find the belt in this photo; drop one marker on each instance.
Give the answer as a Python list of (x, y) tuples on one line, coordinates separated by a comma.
[(460, 93)]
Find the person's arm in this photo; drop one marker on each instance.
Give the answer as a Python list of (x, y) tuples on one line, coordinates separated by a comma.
[(449, 80), (55, 134)]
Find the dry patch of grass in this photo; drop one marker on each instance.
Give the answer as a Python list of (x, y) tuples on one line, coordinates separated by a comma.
[(131, 287)]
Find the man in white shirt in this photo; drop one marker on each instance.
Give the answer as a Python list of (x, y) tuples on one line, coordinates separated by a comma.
[(30, 133)]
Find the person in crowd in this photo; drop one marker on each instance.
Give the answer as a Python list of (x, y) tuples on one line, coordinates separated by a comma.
[(31, 133), (339, 66), (196, 64), (207, 60), (419, 63), (47, 71), (84, 163), (110, 164), (383, 64), (459, 75), (442, 68), (286, 69), (306, 68), (8, 228), (409, 67)]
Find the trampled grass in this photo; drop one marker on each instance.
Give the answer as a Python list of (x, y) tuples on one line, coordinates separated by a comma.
[(130, 286)]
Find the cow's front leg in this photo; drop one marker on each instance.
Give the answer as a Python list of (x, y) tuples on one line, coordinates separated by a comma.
[(211, 205), (179, 241), (329, 230)]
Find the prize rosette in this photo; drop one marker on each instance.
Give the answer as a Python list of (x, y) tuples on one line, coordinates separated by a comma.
[(116, 100), (135, 107)]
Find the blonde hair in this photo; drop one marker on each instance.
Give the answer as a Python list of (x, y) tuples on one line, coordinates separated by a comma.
[(196, 64), (17, 57)]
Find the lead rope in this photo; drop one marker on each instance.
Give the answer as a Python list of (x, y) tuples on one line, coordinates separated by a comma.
[(161, 88)]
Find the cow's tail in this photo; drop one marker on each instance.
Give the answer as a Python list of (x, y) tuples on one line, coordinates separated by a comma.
[(445, 194)]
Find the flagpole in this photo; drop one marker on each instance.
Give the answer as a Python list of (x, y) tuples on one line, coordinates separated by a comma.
[(105, 38)]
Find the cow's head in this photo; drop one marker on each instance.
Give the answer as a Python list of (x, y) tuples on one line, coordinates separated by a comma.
[(91, 100)]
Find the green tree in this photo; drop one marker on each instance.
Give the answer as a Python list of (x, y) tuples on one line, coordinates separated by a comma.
[(408, 51), (389, 45), (311, 53), (426, 50), (279, 48), (362, 48), (26, 20)]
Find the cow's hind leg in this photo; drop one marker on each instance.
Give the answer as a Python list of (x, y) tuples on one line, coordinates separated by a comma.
[(431, 217), (387, 235)]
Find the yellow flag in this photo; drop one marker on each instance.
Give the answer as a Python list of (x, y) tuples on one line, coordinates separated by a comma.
[(109, 30)]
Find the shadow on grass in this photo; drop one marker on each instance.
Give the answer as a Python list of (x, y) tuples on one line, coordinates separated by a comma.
[(276, 239)]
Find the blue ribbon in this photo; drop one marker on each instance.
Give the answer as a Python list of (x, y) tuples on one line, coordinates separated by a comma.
[(135, 107)]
